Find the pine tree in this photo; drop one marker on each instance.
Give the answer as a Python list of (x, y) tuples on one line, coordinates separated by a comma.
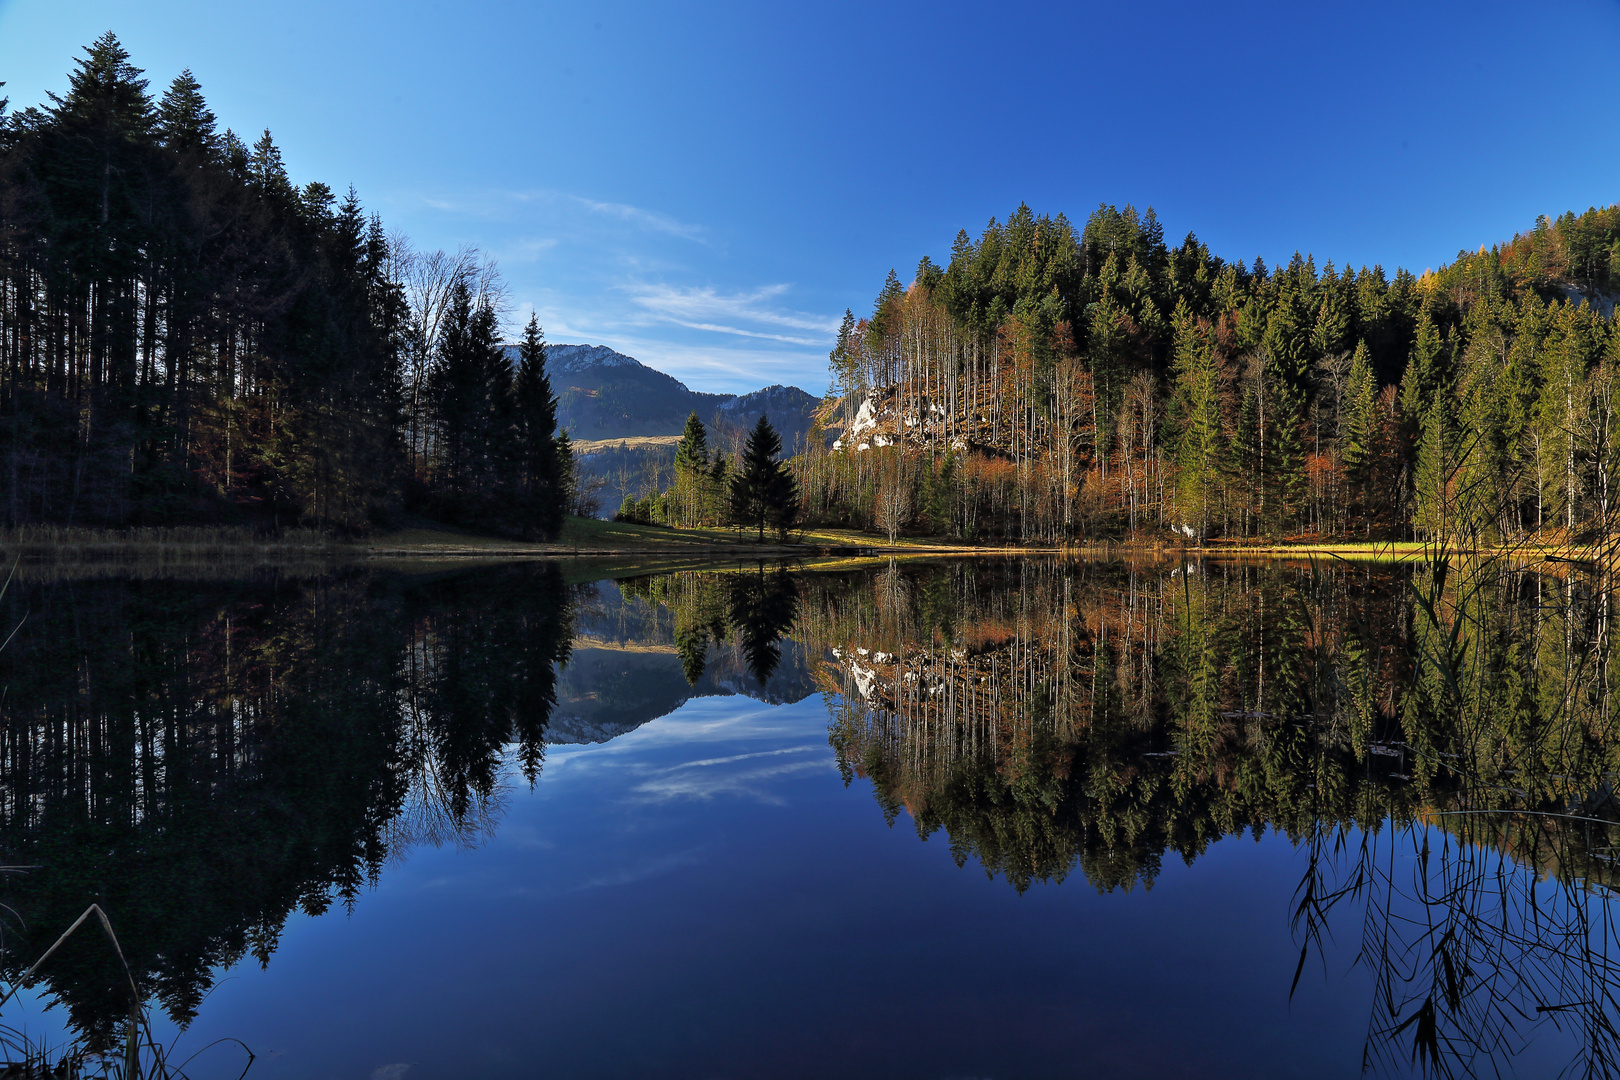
[(688, 495), (106, 96), (1331, 334), (1284, 478), (1428, 373), (763, 493), (1358, 427), (184, 121), (782, 498), (1357, 420), (472, 390), (1196, 409), (535, 421), (268, 173), (1436, 463), (692, 452)]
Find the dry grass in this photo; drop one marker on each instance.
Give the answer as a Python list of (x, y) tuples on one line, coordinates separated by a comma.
[(591, 446)]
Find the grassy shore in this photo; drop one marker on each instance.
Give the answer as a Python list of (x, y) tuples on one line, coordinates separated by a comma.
[(585, 537), (589, 540)]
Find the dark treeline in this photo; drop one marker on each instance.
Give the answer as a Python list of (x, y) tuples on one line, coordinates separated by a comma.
[(188, 337), (1058, 383)]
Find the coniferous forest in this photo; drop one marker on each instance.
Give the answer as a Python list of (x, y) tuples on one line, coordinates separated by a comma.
[(186, 337), (1060, 384)]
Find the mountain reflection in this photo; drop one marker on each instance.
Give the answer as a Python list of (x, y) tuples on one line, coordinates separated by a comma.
[(202, 759)]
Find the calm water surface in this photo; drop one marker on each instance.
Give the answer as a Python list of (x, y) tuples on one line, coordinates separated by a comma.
[(1010, 819)]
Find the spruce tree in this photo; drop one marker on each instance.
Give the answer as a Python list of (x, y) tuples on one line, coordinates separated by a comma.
[(106, 99), (543, 486), (763, 493), (267, 170), (1436, 460), (472, 389), (1196, 436), (782, 500), (1427, 375), (184, 121), (692, 452), (1284, 476), (1358, 426), (689, 491)]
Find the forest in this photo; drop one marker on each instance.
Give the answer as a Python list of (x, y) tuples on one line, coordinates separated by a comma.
[(1054, 384), (188, 337)]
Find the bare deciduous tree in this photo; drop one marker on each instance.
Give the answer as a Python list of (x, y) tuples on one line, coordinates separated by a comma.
[(427, 278), (893, 507)]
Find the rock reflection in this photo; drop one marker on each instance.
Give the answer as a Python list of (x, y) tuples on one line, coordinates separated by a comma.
[(1440, 740)]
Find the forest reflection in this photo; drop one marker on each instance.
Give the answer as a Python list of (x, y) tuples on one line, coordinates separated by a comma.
[(1438, 741), (202, 759)]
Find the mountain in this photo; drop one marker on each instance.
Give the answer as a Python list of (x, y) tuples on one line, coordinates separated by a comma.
[(605, 395), (626, 417), (790, 411)]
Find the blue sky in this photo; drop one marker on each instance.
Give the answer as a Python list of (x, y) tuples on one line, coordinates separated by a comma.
[(708, 187)]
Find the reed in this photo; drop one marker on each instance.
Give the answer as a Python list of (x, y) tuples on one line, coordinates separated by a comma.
[(142, 1056)]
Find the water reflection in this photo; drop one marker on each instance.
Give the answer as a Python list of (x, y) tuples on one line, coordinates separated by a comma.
[(1440, 741), (203, 759)]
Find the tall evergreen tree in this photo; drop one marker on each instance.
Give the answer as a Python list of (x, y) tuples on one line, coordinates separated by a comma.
[(471, 385), (184, 121), (1436, 466), (1197, 442), (543, 484), (689, 493), (692, 452), (763, 493)]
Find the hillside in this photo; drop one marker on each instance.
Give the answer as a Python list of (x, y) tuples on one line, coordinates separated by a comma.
[(625, 417), (1069, 384), (605, 395)]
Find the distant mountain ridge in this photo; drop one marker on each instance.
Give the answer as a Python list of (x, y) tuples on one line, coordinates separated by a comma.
[(602, 394)]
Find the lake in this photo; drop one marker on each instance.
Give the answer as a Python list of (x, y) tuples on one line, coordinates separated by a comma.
[(971, 818)]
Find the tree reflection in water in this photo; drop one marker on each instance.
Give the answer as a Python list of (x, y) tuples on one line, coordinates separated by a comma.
[(758, 607), (1439, 740), (201, 760)]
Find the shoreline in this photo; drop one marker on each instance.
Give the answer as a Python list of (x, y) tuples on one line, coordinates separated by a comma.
[(589, 539)]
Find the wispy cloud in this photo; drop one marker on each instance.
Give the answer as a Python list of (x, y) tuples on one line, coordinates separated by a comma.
[(640, 872), (689, 782), (701, 308), (500, 204), (526, 250), (611, 273), (646, 219)]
